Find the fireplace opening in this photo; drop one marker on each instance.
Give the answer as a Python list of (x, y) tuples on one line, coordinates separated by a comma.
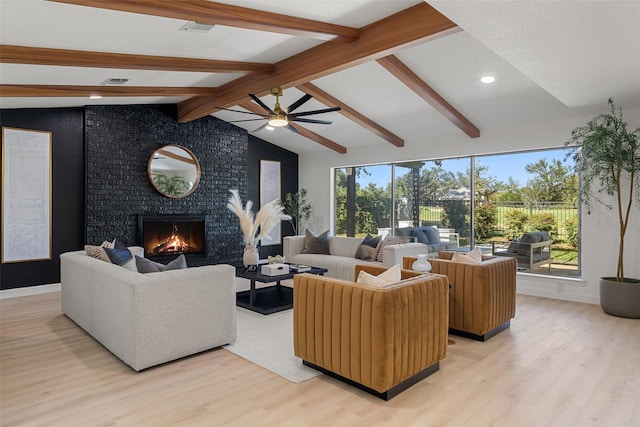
[(170, 235)]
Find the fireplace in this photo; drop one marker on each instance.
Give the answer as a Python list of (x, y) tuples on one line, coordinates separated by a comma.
[(171, 235)]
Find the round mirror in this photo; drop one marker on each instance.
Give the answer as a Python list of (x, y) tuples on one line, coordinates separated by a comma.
[(174, 171)]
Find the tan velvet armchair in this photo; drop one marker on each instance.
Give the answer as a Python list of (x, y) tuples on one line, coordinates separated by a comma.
[(381, 340), (483, 296)]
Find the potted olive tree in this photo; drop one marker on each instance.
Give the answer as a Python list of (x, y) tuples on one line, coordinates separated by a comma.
[(607, 157), (299, 209)]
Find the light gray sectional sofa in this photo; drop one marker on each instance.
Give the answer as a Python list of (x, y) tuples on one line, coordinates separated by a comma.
[(341, 260), (149, 319)]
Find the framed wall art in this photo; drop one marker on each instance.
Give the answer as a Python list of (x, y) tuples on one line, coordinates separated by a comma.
[(26, 195), (270, 178)]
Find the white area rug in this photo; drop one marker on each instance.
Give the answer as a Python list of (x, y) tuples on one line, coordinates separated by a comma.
[(267, 341)]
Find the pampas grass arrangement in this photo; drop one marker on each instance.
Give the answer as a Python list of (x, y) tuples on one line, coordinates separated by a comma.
[(254, 229)]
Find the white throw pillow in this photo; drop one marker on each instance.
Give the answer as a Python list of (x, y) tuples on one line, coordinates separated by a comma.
[(384, 279), (473, 257)]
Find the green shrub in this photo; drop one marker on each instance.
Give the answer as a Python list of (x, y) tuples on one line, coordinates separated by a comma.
[(571, 226), (543, 222), (454, 215), (515, 221), (486, 217)]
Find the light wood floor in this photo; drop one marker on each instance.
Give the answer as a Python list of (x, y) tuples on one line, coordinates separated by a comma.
[(560, 364)]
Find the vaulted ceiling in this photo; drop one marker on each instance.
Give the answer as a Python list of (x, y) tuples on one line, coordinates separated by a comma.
[(400, 70)]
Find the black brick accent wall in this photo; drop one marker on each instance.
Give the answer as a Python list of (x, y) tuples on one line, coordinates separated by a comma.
[(119, 142)]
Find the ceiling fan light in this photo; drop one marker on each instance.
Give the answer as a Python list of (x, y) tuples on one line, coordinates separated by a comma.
[(278, 120)]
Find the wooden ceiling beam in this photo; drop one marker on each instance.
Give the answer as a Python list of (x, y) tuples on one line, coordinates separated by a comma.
[(254, 108), (16, 91), (80, 58), (392, 64), (207, 12), (393, 33), (351, 114)]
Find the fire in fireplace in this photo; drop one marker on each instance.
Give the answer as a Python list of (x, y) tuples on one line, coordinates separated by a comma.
[(166, 235)]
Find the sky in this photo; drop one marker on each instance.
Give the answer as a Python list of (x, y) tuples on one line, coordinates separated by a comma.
[(501, 166)]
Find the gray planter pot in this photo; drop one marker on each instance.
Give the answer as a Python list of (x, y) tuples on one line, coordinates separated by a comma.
[(620, 299)]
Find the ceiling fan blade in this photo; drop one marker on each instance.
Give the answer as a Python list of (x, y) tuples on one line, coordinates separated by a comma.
[(318, 122), (260, 103), (238, 111), (262, 127), (291, 128), (247, 120), (309, 113), (298, 103)]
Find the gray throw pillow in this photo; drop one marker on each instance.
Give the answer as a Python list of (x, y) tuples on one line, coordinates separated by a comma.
[(368, 249), (147, 266), (432, 235), (316, 243), (420, 236), (118, 256)]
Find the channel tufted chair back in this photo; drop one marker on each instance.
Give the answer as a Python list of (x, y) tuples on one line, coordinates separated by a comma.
[(483, 296), (382, 340)]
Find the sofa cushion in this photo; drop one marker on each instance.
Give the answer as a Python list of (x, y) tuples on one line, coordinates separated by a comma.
[(528, 238), (384, 279), (147, 266), (432, 235), (368, 249), (316, 243), (390, 240)]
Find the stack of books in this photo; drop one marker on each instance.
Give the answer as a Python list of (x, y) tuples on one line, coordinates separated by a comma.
[(299, 268)]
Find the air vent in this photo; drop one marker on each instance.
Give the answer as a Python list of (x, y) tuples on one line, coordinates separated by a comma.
[(115, 81), (196, 27)]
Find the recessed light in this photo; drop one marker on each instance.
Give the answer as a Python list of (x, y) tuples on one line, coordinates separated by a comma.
[(487, 79), (95, 97)]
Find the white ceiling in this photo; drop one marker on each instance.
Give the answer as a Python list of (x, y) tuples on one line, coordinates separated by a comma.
[(551, 59)]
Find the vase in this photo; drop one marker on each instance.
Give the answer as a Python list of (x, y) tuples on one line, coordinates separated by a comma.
[(250, 256), (421, 264)]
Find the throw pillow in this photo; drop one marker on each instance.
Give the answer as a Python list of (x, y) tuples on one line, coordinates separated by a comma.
[(108, 244), (316, 244), (118, 256), (420, 236), (389, 240), (432, 235), (147, 266), (384, 279), (96, 252), (473, 257), (368, 249), (462, 258), (121, 257)]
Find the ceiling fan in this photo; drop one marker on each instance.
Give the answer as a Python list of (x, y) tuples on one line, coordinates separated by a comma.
[(278, 117)]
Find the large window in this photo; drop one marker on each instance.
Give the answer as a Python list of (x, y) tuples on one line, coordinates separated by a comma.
[(485, 201)]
